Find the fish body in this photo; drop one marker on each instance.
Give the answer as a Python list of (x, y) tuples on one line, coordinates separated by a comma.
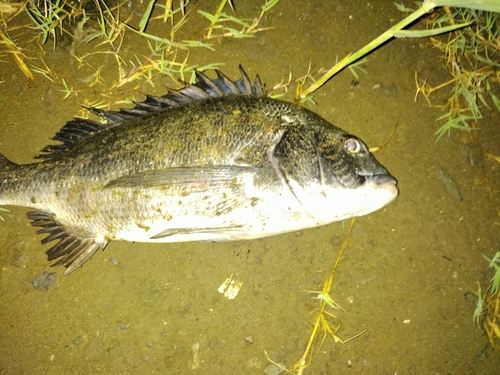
[(215, 161)]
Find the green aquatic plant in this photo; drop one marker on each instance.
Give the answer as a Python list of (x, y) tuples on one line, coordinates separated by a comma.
[(480, 16), (471, 56), (489, 304), (96, 29), (322, 323), (17, 53), (396, 31), (49, 16), (222, 21)]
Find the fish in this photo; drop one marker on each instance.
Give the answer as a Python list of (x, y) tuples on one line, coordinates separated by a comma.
[(217, 160)]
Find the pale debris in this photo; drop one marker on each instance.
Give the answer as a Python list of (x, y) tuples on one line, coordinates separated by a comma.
[(230, 288)]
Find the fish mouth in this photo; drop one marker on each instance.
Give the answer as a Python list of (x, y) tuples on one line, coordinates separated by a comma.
[(381, 179), (383, 182)]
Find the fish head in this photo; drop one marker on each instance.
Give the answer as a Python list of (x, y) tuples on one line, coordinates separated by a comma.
[(335, 175), (349, 171)]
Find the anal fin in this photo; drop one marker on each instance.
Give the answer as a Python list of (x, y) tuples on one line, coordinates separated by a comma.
[(73, 250), (190, 231)]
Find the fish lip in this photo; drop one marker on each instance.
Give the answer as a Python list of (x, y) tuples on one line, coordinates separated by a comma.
[(385, 183), (381, 179)]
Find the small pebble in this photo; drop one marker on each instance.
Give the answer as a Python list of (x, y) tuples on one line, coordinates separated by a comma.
[(77, 340), (450, 184), (391, 89), (273, 369), (113, 261), (44, 281), (123, 326), (248, 339), (475, 155), (20, 255)]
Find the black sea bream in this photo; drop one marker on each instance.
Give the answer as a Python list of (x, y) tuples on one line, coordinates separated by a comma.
[(215, 161)]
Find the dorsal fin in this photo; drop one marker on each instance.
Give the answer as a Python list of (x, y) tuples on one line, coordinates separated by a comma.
[(69, 134), (203, 88)]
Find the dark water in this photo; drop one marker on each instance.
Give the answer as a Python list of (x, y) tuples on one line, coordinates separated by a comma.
[(405, 276)]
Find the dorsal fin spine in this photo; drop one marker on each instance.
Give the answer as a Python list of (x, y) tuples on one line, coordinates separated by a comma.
[(203, 88)]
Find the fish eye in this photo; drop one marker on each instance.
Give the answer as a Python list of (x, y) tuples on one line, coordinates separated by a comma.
[(352, 145)]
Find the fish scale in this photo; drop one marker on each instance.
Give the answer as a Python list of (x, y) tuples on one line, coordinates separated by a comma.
[(214, 161)]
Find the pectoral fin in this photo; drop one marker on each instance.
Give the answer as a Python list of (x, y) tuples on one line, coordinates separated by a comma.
[(198, 177)]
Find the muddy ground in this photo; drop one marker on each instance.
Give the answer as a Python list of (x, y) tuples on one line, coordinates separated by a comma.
[(406, 276)]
